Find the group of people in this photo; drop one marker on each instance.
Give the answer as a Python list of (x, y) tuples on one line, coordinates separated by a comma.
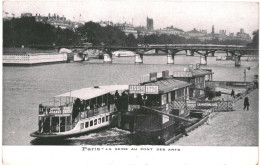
[(121, 102)]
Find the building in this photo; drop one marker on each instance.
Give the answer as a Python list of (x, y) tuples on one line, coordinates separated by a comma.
[(222, 32), (143, 31), (213, 31), (105, 23), (194, 33), (127, 28), (149, 23), (243, 36), (171, 30), (57, 21), (26, 15)]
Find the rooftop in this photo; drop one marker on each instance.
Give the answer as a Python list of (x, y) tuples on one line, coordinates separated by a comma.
[(168, 85)]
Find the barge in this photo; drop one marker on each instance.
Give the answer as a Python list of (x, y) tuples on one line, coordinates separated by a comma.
[(34, 58)]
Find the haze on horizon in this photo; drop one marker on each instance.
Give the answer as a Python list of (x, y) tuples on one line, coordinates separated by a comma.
[(229, 16)]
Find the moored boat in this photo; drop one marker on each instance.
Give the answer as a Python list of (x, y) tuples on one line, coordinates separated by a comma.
[(81, 111)]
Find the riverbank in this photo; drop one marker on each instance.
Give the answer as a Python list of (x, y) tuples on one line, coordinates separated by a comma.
[(234, 128)]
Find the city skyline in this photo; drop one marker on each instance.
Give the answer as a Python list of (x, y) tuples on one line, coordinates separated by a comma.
[(229, 16)]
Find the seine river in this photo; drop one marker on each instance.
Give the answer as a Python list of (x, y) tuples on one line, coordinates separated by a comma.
[(24, 88)]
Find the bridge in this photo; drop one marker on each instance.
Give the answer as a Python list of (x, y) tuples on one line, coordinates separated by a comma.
[(172, 49)]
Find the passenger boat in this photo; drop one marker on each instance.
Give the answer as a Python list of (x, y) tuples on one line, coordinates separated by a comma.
[(79, 111)]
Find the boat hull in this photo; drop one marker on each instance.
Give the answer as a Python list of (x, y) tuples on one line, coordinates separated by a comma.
[(81, 128), (38, 135)]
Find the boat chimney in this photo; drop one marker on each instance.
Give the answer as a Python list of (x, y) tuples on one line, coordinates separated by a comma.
[(185, 69), (190, 67), (198, 66), (165, 74), (153, 76)]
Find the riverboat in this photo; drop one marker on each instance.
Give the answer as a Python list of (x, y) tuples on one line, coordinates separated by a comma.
[(79, 111)]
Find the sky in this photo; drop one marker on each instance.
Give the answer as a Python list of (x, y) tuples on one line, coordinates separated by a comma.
[(229, 16)]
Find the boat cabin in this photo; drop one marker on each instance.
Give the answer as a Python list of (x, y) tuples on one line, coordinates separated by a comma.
[(71, 107), (195, 76), (158, 92)]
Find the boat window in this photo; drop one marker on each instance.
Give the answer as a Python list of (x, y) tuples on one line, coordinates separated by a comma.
[(103, 119), (169, 97), (99, 120), (91, 123), (180, 92), (105, 99), (153, 100), (93, 103), (106, 118), (86, 125), (81, 125), (95, 122), (164, 99), (110, 117), (173, 95), (55, 124)]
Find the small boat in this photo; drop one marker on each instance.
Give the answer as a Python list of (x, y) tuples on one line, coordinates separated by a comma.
[(123, 53), (223, 58), (84, 110), (218, 58)]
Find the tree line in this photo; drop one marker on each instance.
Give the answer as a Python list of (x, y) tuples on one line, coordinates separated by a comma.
[(26, 31)]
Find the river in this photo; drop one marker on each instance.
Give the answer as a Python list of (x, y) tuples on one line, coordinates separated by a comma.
[(24, 88)]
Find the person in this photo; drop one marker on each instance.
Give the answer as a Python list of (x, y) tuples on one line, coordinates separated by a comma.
[(182, 130), (255, 84), (117, 95), (246, 103), (160, 141), (209, 119), (144, 98), (233, 93)]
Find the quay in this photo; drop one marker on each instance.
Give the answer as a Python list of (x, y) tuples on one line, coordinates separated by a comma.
[(232, 128)]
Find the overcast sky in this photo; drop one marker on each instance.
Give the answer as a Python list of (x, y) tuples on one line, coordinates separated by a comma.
[(230, 16)]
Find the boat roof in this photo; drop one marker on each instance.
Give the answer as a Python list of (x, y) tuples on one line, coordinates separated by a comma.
[(168, 85), (92, 92), (200, 72)]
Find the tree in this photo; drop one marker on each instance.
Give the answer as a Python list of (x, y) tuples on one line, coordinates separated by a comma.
[(255, 40)]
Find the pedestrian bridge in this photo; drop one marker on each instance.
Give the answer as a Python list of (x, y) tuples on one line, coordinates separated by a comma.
[(172, 49)]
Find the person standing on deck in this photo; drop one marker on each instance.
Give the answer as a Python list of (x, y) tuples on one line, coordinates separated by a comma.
[(246, 103)]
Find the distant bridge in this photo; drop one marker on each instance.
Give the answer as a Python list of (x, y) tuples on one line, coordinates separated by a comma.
[(172, 49)]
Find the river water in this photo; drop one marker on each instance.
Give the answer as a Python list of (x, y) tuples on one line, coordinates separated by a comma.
[(24, 88)]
